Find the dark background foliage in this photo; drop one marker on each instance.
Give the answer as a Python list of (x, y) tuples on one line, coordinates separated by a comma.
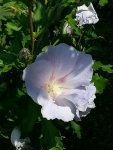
[(16, 51)]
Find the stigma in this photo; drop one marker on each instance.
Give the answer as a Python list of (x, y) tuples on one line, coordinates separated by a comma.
[(53, 90)]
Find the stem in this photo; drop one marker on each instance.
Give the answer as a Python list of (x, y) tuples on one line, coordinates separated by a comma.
[(30, 3)]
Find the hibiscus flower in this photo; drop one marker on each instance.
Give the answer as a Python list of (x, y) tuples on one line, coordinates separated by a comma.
[(86, 15), (60, 81)]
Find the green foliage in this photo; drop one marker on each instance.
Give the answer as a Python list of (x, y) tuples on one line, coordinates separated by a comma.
[(51, 136), (76, 129), (107, 68), (12, 27), (103, 2), (100, 83), (3, 13), (59, 144), (30, 118)]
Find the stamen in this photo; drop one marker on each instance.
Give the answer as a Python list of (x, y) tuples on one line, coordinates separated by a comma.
[(53, 89)]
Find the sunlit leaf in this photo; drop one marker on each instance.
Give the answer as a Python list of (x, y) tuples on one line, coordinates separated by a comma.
[(107, 68), (100, 83)]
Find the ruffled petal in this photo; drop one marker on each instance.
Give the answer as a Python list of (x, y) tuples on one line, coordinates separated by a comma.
[(53, 111), (36, 76), (82, 99), (86, 15), (86, 98)]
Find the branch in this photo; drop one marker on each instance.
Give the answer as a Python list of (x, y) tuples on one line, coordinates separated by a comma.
[(31, 24)]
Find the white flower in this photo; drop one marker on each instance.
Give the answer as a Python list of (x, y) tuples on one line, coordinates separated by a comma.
[(15, 136), (86, 15), (59, 80), (18, 143)]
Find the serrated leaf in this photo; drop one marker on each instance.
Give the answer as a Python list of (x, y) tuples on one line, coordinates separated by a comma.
[(107, 68), (100, 83)]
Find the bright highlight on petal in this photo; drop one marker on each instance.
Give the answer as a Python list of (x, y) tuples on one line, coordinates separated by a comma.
[(60, 81)]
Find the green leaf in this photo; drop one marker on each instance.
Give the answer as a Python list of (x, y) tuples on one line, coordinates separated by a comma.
[(29, 118), (76, 129), (1, 63), (107, 68), (59, 144), (7, 57), (68, 2), (73, 24), (12, 27), (39, 15), (97, 65), (6, 68), (54, 148), (54, 14), (50, 132), (4, 12), (103, 2), (100, 83)]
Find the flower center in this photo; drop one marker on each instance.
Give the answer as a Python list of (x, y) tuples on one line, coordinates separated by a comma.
[(53, 89)]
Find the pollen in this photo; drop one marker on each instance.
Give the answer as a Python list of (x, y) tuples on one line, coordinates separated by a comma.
[(53, 89)]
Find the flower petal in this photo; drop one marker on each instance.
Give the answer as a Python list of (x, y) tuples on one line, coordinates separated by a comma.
[(53, 111), (15, 136), (82, 98), (71, 71), (82, 72), (61, 101), (63, 57), (70, 64), (36, 76), (86, 15)]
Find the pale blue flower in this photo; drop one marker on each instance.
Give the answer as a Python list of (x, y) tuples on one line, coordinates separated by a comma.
[(86, 15), (60, 81), (18, 142)]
